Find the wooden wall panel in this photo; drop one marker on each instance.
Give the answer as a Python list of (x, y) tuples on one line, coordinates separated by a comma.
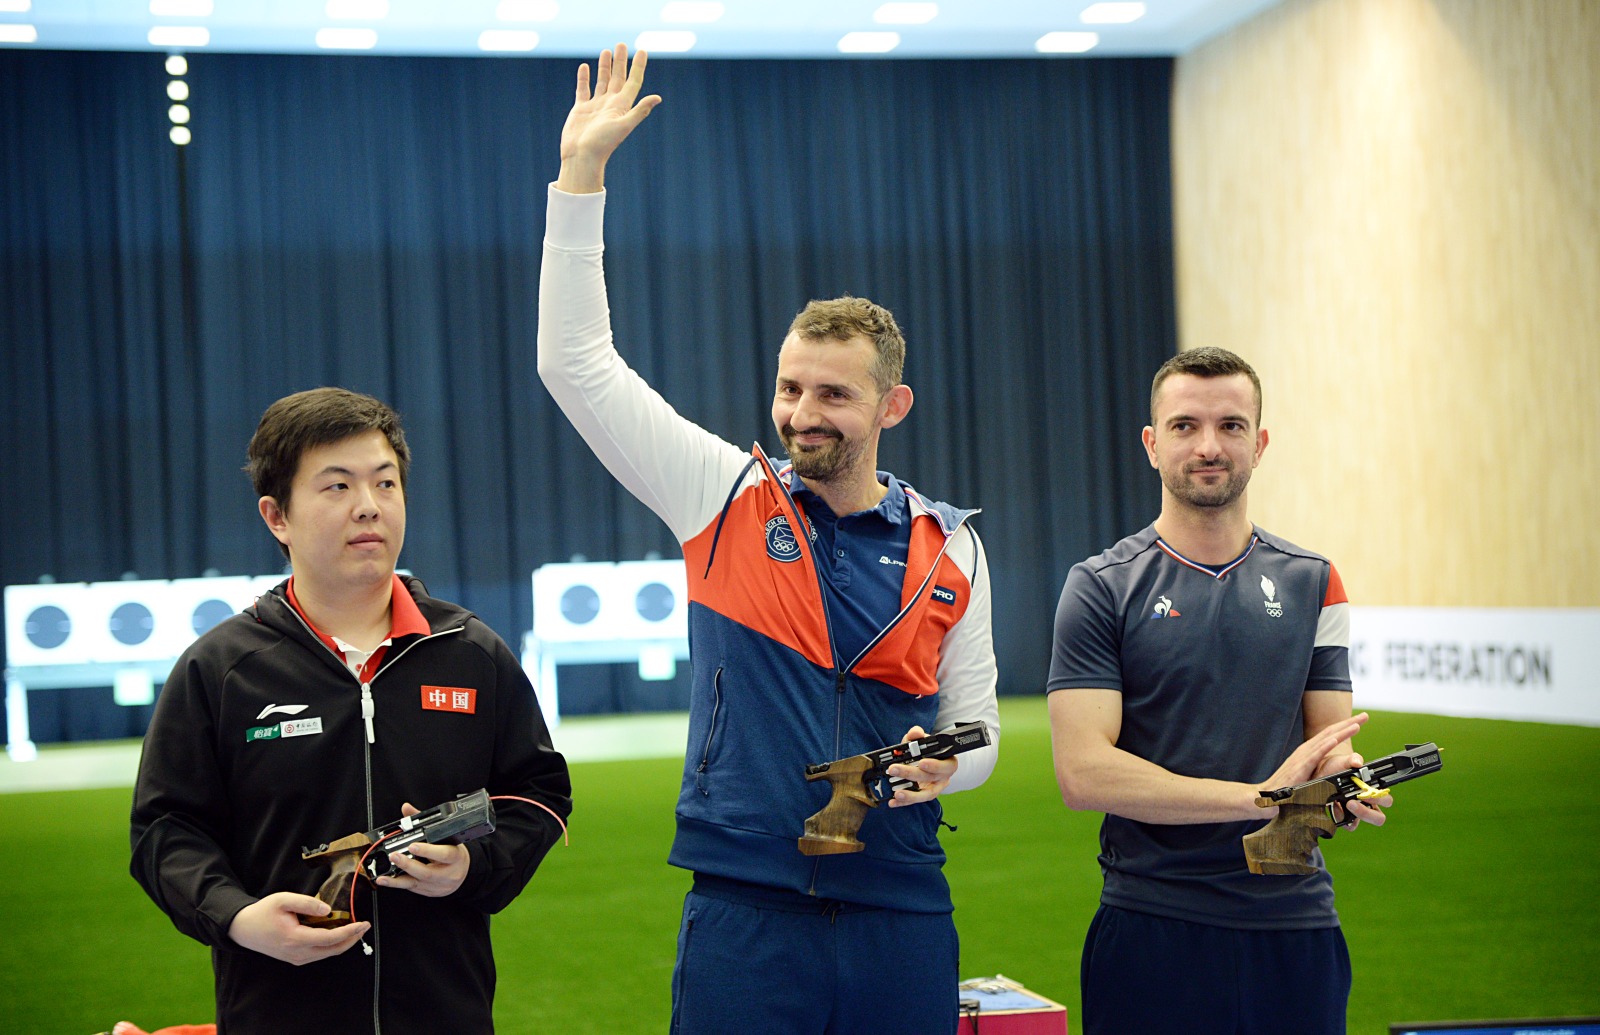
[(1392, 209)]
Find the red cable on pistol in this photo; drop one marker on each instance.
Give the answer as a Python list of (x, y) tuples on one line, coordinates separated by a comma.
[(361, 865)]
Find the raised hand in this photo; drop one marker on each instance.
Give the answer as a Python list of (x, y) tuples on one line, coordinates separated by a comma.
[(600, 120)]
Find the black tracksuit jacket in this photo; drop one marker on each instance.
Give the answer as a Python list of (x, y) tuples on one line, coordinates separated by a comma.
[(222, 811)]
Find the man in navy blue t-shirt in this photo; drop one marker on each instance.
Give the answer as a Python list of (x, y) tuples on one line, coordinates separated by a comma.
[(1195, 663)]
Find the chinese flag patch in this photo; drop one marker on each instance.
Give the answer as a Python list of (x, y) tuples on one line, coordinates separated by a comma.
[(450, 699)]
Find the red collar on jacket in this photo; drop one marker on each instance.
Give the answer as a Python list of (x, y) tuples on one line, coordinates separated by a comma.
[(405, 619)]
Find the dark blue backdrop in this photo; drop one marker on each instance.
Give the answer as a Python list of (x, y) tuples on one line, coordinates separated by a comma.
[(375, 223)]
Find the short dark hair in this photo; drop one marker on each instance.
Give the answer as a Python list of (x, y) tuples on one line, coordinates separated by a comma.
[(306, 420), (1207, 361), (841, 319)]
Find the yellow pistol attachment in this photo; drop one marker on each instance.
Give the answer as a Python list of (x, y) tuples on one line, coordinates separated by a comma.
[(1367, 790)]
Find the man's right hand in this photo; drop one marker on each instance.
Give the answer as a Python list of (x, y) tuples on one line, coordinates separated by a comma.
[(271, 926), (600, 121)]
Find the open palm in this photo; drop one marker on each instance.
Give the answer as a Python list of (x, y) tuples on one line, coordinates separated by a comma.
[(602, 119)]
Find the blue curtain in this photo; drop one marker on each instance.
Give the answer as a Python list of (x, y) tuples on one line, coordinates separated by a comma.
[(376, 222)]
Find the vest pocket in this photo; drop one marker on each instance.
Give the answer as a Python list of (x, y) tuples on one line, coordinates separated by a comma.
[(700, 779)]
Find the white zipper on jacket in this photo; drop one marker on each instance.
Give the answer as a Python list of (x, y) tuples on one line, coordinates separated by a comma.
[(367, 706), (368, 711)]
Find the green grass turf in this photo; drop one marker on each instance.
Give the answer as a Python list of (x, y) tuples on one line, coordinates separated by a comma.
[(1478, 900)]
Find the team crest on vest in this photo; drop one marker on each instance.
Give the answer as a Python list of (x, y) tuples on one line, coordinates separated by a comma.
[(1274, 607), (781, 542)]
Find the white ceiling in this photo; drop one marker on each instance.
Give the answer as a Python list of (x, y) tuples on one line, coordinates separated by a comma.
[(566, 28)]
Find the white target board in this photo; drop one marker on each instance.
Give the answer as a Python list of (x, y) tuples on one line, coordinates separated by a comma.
[(594, 612)]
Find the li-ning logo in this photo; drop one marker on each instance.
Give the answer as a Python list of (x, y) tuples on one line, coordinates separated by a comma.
[(1274, 608), (287, 709), (1164, 609), (943, 596), (781, 543)]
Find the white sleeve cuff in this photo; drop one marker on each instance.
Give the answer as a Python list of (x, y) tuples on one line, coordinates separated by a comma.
[(973, 767), (575, 222)]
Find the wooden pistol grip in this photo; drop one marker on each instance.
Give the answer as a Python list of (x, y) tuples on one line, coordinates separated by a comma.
[(343, 855), (832, 831), (1285, 844)]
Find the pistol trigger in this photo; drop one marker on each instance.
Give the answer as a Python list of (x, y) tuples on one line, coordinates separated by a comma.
[(1341, 816)]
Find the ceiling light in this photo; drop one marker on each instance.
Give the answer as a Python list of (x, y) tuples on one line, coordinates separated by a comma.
[(508, 41), (347, 39), (15, 6), (177, 64), (691, 11), (180, 135), (868, 42), (527, 10), (1112, 13), (179, 36), (18, 34), (1066, 42), (358, 10), (905, 14), (178, 90), (179, 114), (665, 41), (181, 8)]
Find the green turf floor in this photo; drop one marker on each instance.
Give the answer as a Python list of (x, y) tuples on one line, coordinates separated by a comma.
[(1480, 899)]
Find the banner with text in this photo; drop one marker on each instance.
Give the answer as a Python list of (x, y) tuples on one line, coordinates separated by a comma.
[(1535, 664)]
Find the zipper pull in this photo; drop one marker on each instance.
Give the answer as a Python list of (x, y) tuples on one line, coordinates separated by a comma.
[(367, 711)]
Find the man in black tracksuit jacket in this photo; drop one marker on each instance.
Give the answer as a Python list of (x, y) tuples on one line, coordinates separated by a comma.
[(306, 718)]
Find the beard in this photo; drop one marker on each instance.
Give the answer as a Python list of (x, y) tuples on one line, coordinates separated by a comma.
[(1196, 494), (821, 463)]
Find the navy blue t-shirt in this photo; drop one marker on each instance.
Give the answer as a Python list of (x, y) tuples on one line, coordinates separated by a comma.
[(1212, 665)]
